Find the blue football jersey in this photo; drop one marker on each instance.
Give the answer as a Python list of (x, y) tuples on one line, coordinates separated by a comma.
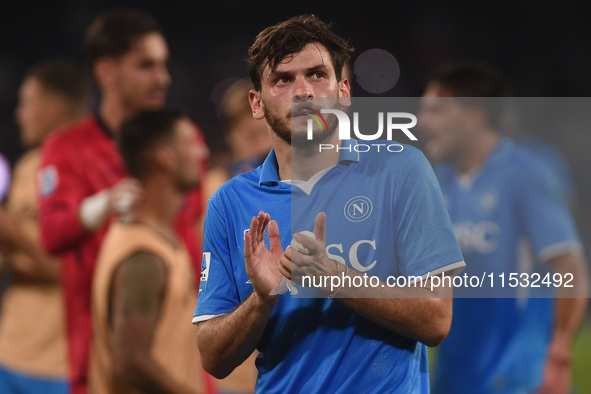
[(506, 216), (385, 216), (554, 159)]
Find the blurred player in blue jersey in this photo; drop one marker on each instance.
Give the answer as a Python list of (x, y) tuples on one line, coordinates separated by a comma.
[(503, 202), (389, 222)]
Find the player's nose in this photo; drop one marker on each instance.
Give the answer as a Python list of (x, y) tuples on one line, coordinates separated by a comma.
[(163, 76), (302, 88)]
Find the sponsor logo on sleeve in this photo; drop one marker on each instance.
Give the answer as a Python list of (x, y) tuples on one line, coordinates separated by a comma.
[(48, 180), (204, 271)]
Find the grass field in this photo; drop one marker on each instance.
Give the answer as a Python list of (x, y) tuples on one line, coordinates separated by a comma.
[(582, 360)]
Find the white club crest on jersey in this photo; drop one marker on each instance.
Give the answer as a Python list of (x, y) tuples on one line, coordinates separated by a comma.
[(488, 201), (358, 209)]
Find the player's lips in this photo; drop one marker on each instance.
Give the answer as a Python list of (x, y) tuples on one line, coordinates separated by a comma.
[(305, 111), (158, 93)]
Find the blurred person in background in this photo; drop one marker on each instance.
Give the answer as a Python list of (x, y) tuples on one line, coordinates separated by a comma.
[(143, 286), (53, 95), (503, 202), (83, 178), (555, 160), (249, 144), (247, 138)]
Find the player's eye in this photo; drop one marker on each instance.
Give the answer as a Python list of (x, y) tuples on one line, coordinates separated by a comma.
[(318, 75), (146, 65), (282, 80)]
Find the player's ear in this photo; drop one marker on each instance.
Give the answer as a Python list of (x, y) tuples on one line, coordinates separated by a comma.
[(103, 71), (165, 157), (344, 92), (58, 110), (256, 104)]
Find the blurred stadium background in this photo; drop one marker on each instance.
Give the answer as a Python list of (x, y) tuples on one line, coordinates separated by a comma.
[(542, 48)]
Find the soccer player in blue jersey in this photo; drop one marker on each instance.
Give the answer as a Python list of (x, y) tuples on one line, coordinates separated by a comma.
[(503, 202), (398, 227)]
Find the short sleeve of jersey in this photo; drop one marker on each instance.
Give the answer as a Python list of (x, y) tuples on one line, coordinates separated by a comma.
[(425, 240), (217, 290), (545, 215)]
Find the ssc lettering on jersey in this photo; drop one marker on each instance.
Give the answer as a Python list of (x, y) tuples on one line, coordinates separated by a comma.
[(353, 255), (481, 237)]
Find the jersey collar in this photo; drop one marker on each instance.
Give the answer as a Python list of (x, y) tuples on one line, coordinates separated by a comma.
[(270, 169)]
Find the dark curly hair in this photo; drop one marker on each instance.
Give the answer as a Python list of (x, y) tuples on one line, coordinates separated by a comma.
[(274, 43)]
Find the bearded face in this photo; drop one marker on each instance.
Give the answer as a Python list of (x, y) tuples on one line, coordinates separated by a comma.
[(292, 127), (294, 93)]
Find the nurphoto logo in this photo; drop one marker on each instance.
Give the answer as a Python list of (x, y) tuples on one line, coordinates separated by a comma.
[(392, 121)]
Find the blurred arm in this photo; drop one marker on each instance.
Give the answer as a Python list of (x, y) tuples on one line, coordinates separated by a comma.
[(571, 303), (67, 213), (61, 193), (40, 267), (569, 310)]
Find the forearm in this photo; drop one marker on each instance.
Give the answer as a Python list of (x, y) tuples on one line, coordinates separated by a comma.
[(419, 310), (61, 228), (12, 234), (28, 260), (41, 270), (227, 340), (571, 302), (568, 315), (426, 320), (414, 312)]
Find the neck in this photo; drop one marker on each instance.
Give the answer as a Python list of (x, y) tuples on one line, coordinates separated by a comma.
[(113, 112), (302, 163), (476, 151), (65, 124), (160, 205)]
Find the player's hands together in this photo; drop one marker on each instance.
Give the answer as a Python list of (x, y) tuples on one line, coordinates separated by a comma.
[(294, 264), (261, 263)]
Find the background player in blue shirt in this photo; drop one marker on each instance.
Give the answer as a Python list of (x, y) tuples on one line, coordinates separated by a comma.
[(399, 227), (502, 201)]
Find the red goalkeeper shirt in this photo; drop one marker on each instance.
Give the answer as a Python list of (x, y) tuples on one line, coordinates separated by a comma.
[(77, 163)]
